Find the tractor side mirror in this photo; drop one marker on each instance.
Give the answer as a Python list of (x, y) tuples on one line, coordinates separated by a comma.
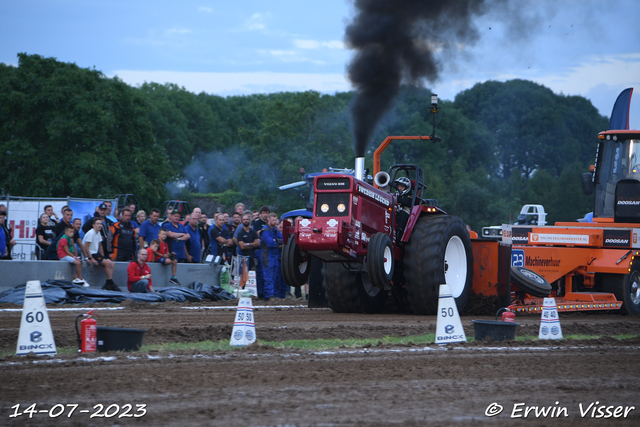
[(587, 183)]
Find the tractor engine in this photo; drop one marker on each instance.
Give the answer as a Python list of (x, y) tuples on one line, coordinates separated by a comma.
[(347, 212)]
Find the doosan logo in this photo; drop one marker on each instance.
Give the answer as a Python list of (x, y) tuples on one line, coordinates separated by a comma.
[(617, 237), (618, 241), (629, 202)]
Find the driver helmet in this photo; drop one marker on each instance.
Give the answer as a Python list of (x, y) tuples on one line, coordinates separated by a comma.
[(403, 181)]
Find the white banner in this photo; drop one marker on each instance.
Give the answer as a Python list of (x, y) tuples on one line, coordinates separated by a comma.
[(566, 239)]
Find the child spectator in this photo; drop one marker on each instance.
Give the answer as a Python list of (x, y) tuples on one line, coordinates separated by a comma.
[(77, 238), (66, 252), (92, 243), (162, 255)]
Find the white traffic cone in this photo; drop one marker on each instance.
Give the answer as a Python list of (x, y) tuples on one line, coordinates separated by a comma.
[(251, 286), (449, 327), (244, 329), (35, 328), (550, 322)]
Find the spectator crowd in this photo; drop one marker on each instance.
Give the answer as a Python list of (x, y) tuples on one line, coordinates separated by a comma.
[(129, 235)]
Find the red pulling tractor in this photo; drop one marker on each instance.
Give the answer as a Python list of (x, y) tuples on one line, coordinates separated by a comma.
[(354, 231)]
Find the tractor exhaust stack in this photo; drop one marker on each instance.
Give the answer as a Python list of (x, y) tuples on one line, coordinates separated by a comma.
[(359, 171)]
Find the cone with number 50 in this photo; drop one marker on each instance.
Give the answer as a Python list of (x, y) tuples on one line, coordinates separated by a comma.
[(244, 329), (449, 327)]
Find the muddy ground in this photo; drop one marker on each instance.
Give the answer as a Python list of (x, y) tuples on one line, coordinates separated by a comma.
[(412, 385)]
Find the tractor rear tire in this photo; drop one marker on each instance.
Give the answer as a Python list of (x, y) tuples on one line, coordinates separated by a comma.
[(350, 292), (626, 288), (371, 297), (530, 282), (438, 252), (380, 262), (295, 265)]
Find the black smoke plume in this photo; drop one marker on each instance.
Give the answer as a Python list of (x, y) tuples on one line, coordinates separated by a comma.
[(400, 41)]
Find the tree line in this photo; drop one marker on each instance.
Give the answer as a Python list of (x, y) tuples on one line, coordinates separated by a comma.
[(66, 130)]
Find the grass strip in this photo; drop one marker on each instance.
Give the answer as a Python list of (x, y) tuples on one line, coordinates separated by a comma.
[(319, 344)]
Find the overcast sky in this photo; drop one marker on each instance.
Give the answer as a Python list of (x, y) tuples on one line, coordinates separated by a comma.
[(574, 47)]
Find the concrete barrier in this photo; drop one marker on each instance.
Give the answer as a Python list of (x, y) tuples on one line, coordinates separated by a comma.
[(14, 273)]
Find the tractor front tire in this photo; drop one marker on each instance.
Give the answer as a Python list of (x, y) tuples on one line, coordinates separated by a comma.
[(295, 264), (438, 252), (380, 262), (350, 292)]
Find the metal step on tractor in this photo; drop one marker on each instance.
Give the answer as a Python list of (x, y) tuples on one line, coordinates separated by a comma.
[(369, 247)]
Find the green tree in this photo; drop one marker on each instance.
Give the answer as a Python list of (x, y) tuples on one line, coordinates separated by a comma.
[(534, 128), (184, 124), (70, 131)]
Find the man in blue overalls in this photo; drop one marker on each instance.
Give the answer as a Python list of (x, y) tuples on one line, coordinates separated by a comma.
[(271, 249)]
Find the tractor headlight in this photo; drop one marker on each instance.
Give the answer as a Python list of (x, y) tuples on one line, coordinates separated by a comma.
[(332, 204)]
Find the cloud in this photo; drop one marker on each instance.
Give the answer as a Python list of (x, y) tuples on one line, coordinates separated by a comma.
[(597, 78), (256, 22), (205, 9), (281, 53), (227, 84), (314, 44), (289, 56), (172, 31)]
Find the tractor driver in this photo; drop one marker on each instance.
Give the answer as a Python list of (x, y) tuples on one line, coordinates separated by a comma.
[(403, 193)]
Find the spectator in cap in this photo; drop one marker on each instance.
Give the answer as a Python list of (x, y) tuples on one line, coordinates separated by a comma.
[(102, 212), (112, 219)]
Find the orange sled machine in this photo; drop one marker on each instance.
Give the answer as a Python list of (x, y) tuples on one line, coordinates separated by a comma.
[(584, 265)]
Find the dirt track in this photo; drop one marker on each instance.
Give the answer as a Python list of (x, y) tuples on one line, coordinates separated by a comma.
[(379, 385)]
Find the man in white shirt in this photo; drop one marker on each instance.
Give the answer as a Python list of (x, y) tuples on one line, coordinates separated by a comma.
[(91, 242)]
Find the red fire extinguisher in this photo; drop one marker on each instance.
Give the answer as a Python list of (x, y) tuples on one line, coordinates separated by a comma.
[(507, 314), (88, 334)]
